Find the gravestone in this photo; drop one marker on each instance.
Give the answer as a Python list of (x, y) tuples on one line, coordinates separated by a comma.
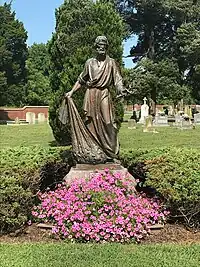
[(131, 124), (197, 118), (30, 117), (148, 126), (188, 111), (171, 111), (161, 121), (41, 118), (17, 121), (178, 120), (144, 111), (186, 125), (198, 108)]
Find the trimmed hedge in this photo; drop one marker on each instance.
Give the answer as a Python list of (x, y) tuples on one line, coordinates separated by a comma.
[(175, 175), (23, 172)]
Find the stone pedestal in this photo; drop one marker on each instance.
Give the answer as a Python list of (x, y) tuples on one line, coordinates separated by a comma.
[(87, 170)]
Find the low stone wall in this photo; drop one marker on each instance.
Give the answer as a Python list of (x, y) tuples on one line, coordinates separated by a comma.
[(38, 112)]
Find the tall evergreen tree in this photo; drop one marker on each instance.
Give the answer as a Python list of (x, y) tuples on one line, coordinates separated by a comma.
[(38, 87), (78, 23), (13, 54)]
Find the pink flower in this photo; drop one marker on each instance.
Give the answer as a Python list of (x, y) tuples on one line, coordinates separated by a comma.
[(102, 208)]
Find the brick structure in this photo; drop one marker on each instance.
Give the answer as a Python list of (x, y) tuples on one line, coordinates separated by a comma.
[(13, 113)]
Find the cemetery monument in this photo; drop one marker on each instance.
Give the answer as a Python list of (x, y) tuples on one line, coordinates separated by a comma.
[(144, 111), (94, 139)]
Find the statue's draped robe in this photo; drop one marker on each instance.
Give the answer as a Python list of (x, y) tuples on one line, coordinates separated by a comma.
[(100, 125)]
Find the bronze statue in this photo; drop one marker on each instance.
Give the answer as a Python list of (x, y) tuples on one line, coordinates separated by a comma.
[(95, 140)]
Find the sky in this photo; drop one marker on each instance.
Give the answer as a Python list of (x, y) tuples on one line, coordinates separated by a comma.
[(38, 17)]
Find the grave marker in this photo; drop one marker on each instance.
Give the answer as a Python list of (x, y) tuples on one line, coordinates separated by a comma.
[(144, 111), (197, 118), (131, 124), (30, 117)]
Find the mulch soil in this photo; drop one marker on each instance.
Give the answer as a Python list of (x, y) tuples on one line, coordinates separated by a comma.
[(171, 233)]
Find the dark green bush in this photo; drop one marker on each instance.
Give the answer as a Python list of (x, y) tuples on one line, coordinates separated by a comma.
[(23, 172), (174, 173)]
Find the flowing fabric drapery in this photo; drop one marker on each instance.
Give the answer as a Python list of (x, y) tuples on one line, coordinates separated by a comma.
[(85, 149)]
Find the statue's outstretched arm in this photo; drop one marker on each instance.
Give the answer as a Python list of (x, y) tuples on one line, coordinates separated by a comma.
[(82, 79)]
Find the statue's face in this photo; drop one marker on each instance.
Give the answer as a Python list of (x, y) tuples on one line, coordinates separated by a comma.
[(101, 49)]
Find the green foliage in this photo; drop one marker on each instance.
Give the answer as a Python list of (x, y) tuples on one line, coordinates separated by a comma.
[(163, 76), (38, 86), (174, 173), (168, 32), (78, 23), (13, 54), (22, 174)]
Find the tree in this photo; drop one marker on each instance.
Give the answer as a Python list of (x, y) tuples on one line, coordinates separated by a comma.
[(167, 30), (13, 54), (78, 23), (164, 76), (38, 87)]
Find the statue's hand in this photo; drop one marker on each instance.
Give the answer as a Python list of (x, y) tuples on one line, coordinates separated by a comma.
[(125, 92), (120, 96), (69, 94)]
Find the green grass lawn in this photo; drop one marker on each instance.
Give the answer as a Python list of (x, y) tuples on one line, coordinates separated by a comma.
[(112, 255), (41, 134), (25, 135), (166, 136)]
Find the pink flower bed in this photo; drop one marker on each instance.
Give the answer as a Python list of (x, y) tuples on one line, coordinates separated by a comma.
[(102, 208)]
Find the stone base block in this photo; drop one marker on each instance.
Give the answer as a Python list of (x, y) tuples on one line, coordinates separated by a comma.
[(87, 170)]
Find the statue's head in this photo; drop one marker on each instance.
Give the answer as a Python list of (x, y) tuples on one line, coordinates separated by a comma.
[(101, 45)]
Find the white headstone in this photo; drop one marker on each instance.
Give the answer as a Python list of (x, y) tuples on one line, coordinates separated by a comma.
[(161, 121), (186, 124), (178, 120), (144, 111), (41, 118), (198, 108), (30, 117), (197, 118)]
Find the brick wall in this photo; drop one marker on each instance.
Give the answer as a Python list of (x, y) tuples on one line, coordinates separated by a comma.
[(12, 113)]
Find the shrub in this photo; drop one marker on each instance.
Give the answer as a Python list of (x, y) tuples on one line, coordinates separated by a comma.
[(23, 173), (175, 174), (102, 208)]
